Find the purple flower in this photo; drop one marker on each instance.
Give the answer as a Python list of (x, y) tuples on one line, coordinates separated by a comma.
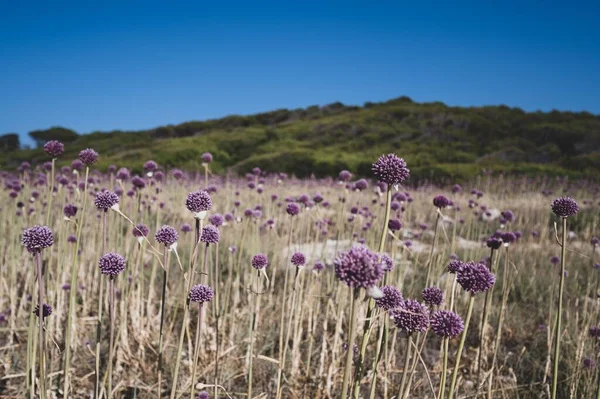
[(441, 202), (72, 239), (508, 216), (88, 156), (361, 185), (455, 266), (260, 261), (216, 220), (292, 209), (392, 298), (202, 395), (77, 164), (111, 264), (138, 182), (198, 202), (411, 316), (394, 224), (493, 243), (298, 259), (123, 174), (70, 210), (150, 166), (210, 235), (186, 228), (345, 175), (201, 293), (595, 241), (387, 263), (37, 238), (433, 296), (166, 235), (358, 267), (206, 157), (319, 266), (54, 148), (555, 260), (564, 207), (509, 237), (447, 324), (46, 310), (105, 200), (456, 188), (141, 230), (390, 169), (594, 332), (475, 277), (589, 363)]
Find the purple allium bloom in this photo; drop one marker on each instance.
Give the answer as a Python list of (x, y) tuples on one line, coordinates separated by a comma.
[(475, 277), (229, 217), (394, 224), (186, 228), (46, 310), (206, 157), (554, 260), (493, 243), (150, 166), (260, 261), (595, 241), (123, 174), (256, 171), (66, 287), (54, 148), (202, 395), (361, 185), (456, 188), (319, 266), (509, 237), (589, 363), (411, 316), (177, 174), (433, 296), (292, 209), (439, 201), (201, 293), (508, 216), (298, 259), (198, 201), (318, 198), (564, 207), (37, 238), (138, 182), (112, 168), (447, 324), (88, 156), (216, 219), (594, 332), (392, 298), (166, 235), (105, 200), (77, 164), (248, 212), (111, 264), (390, 169), (210, 235), (387, 263), (141, 230), (70, 210), (345, 175), (72, 239), (358, 267), (395, 205)]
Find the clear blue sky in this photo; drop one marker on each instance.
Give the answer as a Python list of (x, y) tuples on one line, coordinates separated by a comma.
[(135, 65)]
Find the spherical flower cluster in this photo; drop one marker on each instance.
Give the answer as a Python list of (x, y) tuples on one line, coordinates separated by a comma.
[(508, 237), (111, 264), (564, 207), (105, 200), (493, 243), (454, 266), (508, 216), (166, 235), (595, 241), (433, 296), (198, 202), (70, 210), (54, 148), (387, 263), (392, 298), (358, 267), (216, 220), (390, 169), (345, 175), (292, 209), (589, 363), (201, 293), (594, 332), (260, 261), (123, 174), (319, 266), (46, 310), (298, 259), (394, 224), (88, 156), (361, 185), (475, 277), (203, 395), (206, 157), (210, 235), (37, 238), (141, 230), (441, 202), (150, 166), (411, 316), (445, 323)]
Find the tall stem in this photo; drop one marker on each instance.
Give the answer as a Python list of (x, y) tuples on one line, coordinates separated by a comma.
[(460, 347), (484, 321), (100, 305), (196, 350), (430, 260), (162, 322), (560, 307), (51, 193), (111, 311), (442, 391), (42, 387), (405, 371), (350, 350)]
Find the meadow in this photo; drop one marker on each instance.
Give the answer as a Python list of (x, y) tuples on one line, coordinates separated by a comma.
[(190, 284)]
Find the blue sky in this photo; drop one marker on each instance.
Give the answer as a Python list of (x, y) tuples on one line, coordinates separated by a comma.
[(135, 65)]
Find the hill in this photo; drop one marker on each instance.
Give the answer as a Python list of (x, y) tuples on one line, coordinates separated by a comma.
[(437, 141)]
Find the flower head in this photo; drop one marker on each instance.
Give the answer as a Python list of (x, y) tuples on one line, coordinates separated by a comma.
[(216, 219), (564, 207), (493, 243), (201, 293), (37, 238), (141, 230), (475, 277), (105, 200), (111, 264), (298, 259), (387, 263), (70, 210), (206, 157), (394, 224), (88, 156), (203, 395), (392, 298), (198, 202), (166, 235), (292, 209), (439, 201), (390, 169), (345, 175), (445, 323), (54, 148), (454, 266), (260, 261), (46, 310), (150, 166), (358, 267), (411, 316), (433, 296), (210, 235)]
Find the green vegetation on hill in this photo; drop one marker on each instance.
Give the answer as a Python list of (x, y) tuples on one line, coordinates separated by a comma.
[(437, 141)]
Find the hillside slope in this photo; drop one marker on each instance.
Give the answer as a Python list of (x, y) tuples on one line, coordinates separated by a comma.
[(436, 140)]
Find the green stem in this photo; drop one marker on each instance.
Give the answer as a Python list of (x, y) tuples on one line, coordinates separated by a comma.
[(350, 350), (560, 308), (405, 371), (460, 347), (442, 391)]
